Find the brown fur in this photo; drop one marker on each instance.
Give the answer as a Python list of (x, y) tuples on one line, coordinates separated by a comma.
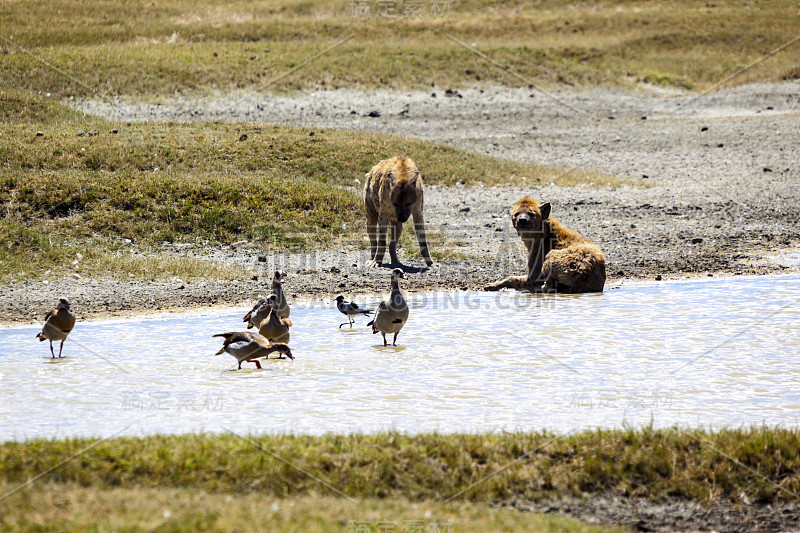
[(558, 258), (394, 192)]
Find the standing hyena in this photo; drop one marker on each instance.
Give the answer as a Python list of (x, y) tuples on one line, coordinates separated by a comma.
[(558, 258), (393, 193)]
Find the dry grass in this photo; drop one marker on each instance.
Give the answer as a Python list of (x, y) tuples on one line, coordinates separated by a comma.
[(73, 508), (761, 465), (144, 48)]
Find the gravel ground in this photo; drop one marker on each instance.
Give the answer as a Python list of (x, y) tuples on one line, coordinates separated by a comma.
[(671, 516), (716, 194)]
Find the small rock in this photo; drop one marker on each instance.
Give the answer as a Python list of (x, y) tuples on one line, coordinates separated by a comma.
[(353, 112), (498, 229), (610, 118), (373, 114), (115, 131), (262, 258), (39, 134), (658, 278), (720, 145), (697, 240), (465, 209), (645, 176), (254, 278), (433, 95), (243, 137), (644, 118), (621, 273), (767, 169), (704, 128)]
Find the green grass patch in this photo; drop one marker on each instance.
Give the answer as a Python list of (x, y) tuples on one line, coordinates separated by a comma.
[(708, 467), (45, 254), (142, 49), (73, 184)]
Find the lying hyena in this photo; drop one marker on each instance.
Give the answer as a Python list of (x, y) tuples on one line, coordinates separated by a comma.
[(558, 258), (393, 192)]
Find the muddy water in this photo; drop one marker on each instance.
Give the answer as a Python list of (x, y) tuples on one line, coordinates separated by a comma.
[(705, 353)]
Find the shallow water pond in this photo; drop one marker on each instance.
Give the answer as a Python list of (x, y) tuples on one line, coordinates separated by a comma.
[(699, 353)]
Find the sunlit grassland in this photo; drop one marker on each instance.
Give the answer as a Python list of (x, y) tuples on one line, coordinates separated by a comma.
[(75, 508), (145, 49), (393, 471)]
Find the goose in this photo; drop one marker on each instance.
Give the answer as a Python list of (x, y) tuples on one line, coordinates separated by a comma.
[(277, 289), (349, 309), (257, 314), (392, 314), (260, 310), (248, 346), (274, 328), (58, 322)]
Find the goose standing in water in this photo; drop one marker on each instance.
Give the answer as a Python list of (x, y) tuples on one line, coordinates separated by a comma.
[(247, 346), (260, 310), (58, 322), (392, 314), (349, 309), (274, 328), (277, 289)]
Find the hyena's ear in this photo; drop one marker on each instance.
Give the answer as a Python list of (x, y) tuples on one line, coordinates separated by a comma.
[(414, 177), (544, 209), (390, 176)]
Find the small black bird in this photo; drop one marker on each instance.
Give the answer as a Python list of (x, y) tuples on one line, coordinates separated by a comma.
[(349, 309)]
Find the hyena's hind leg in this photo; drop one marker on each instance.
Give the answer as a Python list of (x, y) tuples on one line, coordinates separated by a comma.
[(512, 282)]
